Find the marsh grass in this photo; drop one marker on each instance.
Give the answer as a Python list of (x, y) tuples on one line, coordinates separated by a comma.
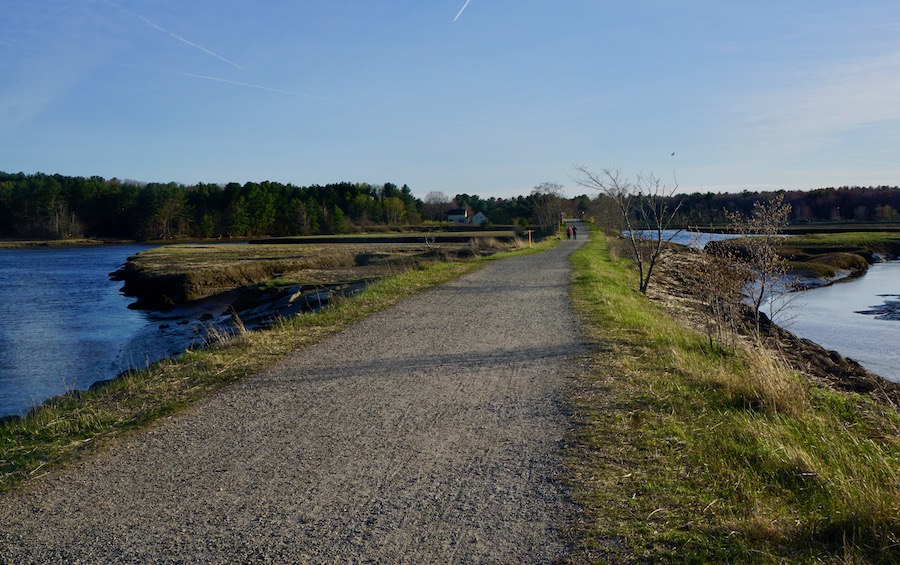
[(833, 248), (686, 453), (75, 424)]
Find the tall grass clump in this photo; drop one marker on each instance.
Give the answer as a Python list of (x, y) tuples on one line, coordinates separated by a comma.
[(686, 452)]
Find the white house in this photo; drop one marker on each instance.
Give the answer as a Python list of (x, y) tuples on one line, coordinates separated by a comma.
[(479, 219)]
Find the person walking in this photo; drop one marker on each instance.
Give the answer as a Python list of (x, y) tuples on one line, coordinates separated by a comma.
[(574, 232), (569, 232)]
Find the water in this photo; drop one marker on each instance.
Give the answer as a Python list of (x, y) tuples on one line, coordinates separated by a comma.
[(830, 317), (64, 325)]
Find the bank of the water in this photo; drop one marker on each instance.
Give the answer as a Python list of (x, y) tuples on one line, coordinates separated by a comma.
[(840, 285), (65, 325), (834, 317)]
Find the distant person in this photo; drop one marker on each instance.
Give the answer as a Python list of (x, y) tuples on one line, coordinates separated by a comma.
[(569, 232), (574, 232)]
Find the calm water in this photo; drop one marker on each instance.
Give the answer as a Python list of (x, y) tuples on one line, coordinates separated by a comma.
[(65, 325), (828, 316)]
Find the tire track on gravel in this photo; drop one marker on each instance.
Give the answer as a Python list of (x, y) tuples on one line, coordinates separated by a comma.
[(427, 433)]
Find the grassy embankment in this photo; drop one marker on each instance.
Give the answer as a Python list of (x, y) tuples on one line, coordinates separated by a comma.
[(825, 255), (683, 454), (74, 425)]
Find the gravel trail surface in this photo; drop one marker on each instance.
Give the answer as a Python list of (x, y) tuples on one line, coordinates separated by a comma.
[(424, 434)]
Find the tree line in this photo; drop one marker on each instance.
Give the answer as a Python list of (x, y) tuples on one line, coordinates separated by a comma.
[(843, 204), (57, 206), (42, 206)]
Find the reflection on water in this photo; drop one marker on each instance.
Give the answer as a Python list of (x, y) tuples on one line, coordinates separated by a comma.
[(832, 317)]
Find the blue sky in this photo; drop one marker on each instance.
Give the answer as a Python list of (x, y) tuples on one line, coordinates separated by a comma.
[(492, 100)]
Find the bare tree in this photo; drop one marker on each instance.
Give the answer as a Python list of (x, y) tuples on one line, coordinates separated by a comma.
[(720, 280), (604, 212), (548, 205), (435, 204), (758, 251), (63, 223), (647, 208)]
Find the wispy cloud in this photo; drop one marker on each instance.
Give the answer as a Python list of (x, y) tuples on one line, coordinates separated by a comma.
[(38, 82), (818, 104), (461, 10)]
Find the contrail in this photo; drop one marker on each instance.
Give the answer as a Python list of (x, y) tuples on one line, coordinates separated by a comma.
[(238, 83), (178, 37), (176, 73), (218, 79), (191, 43), (461, 10)]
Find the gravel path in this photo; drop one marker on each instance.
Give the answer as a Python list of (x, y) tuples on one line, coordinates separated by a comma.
[(427, 433)]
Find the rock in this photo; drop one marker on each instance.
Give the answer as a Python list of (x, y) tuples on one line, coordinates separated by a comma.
[(100, 384), (9, 419)]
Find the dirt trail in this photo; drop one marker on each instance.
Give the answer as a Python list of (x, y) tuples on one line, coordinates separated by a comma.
[(427, 433)]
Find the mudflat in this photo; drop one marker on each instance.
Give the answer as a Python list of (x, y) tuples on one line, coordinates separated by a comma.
[(426, 433)]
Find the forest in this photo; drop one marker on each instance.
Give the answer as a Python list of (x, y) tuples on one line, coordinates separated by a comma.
[(43, 206)]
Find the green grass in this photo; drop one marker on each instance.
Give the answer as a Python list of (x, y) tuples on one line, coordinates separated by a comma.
[(76, 424), (849, 242), (682, 454), (825, 256)]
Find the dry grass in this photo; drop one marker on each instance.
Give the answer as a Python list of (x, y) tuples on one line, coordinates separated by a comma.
[(181, 273)]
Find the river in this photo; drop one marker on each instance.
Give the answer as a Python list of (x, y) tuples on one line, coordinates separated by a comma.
[(65, 325)]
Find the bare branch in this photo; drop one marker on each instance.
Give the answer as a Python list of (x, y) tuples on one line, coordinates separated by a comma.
[(647, 204)]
